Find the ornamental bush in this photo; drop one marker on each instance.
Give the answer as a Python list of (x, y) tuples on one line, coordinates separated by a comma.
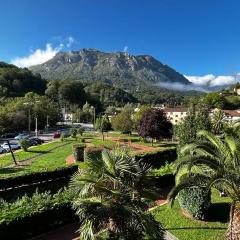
[(195, 201), (25, 144), (93, 153), (78, 152), (26, 214), (73, 132)]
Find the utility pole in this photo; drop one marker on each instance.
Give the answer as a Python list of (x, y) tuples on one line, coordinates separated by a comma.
[(47, 123), (36, 127)]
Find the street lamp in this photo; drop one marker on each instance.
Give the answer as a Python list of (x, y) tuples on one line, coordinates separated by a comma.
[(29, 114), (47, 123), (94, 114), (36, 127)]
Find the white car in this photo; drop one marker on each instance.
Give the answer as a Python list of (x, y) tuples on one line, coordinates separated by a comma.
[(14, 146), (21, 136), (2, 150)]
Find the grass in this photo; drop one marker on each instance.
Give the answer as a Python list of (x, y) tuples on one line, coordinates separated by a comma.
[(6, 159), (185, 228), (49, 161), (105, 143)]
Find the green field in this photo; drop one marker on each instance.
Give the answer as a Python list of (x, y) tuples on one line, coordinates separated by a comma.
[(6, 159), (185, 228), (48, 161)]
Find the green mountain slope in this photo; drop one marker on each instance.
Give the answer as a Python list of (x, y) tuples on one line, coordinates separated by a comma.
[(119, 69)]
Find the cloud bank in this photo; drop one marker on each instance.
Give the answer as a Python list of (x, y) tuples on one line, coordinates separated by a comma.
[(206, 83), (40, 56)]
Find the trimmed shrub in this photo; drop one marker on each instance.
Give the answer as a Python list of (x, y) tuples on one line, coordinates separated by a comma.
[(37, 177), (93, 153), (25, 144), (158, 157), (31, 216), (73, 132), (195, 201), (78, 152)]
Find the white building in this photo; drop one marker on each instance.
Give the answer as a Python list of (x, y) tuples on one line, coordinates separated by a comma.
[(229, 115), (176, 115)]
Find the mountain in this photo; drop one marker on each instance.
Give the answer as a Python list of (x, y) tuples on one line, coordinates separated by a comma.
[(119, 69), (16, 82)]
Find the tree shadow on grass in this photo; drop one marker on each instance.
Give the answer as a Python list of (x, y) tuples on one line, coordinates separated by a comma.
[(219, 212), (39, 151), (10, 170)]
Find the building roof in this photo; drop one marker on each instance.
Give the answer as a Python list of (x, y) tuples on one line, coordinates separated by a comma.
[(177, 109), (232, 113)]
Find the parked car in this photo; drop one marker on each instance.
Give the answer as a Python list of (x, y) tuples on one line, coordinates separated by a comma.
[(2, 150), (9, 135), (35, 141), (14, 146), (21, 136), (66, 132), (56, 135)]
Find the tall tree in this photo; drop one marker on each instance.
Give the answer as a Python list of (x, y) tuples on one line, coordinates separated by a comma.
[(103, 125), (123, 122), (218, 165), (155, 124)]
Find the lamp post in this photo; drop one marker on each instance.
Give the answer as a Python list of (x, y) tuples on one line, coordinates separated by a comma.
[(47, 123), (94, 114), (36, 127), (29, 114)]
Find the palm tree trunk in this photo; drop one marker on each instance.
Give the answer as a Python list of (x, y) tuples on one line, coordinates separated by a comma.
[(233, 232)]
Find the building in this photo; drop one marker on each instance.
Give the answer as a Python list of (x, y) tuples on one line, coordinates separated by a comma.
[(176, 115), (237, 89), (67, 116), (230, 115)]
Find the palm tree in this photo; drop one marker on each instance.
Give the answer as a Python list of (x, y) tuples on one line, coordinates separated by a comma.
[(109, 196), (212, 162), (218, 122)]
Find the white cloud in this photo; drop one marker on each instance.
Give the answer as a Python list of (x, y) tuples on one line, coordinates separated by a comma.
[(40, 56), (125, 49), (70, 41), (204, 83), (211, 80)]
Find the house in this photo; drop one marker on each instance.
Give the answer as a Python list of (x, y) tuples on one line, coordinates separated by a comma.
[(176, 115), (229, 115), (232, 115), (67, 116), (237, 89)]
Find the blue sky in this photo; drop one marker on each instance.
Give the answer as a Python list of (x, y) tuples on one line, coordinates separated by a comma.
[(196, 37)]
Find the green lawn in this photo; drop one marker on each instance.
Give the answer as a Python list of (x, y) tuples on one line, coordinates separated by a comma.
[(49, 161), (105, 143), (185, 228), (6, 159)]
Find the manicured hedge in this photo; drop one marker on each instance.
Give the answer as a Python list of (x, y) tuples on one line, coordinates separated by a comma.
[(159, 157), (37, 177), (78, 152), (93, 153), (53, 186), (195, 201), (28, 217)]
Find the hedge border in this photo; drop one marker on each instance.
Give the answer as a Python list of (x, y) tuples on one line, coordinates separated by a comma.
[(37, 177)]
